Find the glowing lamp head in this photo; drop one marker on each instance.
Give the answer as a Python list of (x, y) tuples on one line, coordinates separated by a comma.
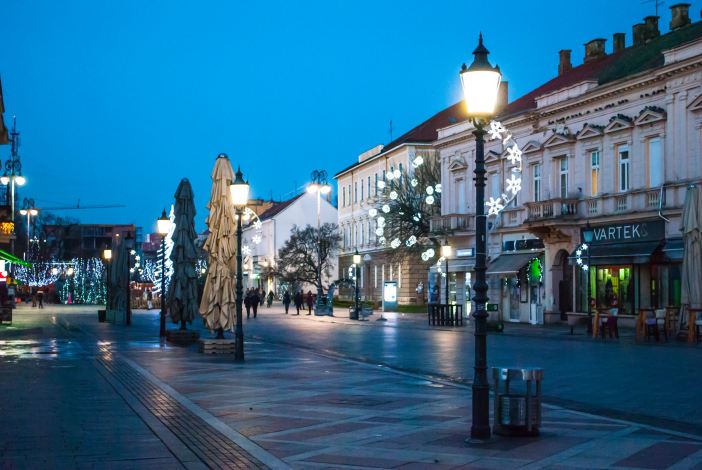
[(325, 189), (239, 190), (54, 271), (23, 211), (107, 254), (163, 224), (446, 250), (33, 212), (20, 180), (70, 271), (5, 180), (481, 83), (356, 257), (312, 188)]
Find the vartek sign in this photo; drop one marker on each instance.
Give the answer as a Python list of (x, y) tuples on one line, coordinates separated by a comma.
[(629, 232)]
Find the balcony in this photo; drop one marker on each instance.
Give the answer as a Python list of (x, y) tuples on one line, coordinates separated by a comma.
[(450, 223), (560, 208)]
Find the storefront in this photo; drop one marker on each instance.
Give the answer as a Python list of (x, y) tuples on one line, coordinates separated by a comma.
[(516, 285), (630, 266), (460, 276)]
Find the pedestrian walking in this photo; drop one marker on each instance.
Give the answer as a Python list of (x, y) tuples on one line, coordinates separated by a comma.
[(34, 299), (286, 301), (247, 303), (310, 302), (261, 296), (298, 301), (40, 298), (149, 299), (269, 299), (255, 299)]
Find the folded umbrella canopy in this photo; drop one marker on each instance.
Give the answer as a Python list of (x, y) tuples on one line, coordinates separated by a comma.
[(182, 293), (691, 289), (118, 278), (218, 299)]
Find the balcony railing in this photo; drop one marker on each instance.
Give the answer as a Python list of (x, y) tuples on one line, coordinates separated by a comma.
[(450, 222), (553, 209)]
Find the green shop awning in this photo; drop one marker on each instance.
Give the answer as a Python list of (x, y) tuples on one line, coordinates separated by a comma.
[(511, 263), (4, 255), (619, 253)]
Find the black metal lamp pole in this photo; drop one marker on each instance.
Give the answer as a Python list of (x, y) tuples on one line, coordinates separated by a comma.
[(480, 428), (447, 282), (357, 296), (481, 82), (128, 239), (162, 325), (239, 331), (587, 235)]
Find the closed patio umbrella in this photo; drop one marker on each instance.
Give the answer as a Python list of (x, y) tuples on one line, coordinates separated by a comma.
[(691, 289), (218, 299), (118, 278), (182, 292)]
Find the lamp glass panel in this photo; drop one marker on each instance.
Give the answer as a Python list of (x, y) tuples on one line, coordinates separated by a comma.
[(480, 88), (240, 194)]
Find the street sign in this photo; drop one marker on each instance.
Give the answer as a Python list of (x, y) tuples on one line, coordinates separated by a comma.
[(492, 307)]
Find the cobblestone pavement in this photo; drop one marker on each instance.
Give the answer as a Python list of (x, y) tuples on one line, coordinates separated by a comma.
[(297, 407)]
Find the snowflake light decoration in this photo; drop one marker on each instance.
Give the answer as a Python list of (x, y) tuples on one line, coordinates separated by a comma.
[(513, 184), (579, 256), (257, 237)]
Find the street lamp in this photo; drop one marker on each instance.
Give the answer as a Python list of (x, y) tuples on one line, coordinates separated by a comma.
[(13, 174), (481, 82), (588, 235), (446, 252), (128, 240), (319, 186), (107, 256), (163, 225), (29, 210), (239, 190), (357, 296)]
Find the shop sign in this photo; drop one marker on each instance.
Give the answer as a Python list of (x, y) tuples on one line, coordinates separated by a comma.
[(463, 252), (652, 230), (491, 307)]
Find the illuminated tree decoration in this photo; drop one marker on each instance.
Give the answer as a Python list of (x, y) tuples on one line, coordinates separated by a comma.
[(168, 263), (38, 274), (513, 183), (83, 279)]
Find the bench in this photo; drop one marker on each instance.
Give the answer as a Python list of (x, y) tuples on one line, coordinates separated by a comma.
[(6, 314), (363, 313)]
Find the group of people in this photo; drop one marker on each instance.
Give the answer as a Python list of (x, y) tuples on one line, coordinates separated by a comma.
[(254, 298), (298, 299)]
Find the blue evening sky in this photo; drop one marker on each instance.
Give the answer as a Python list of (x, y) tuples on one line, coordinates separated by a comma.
[(117, 101)]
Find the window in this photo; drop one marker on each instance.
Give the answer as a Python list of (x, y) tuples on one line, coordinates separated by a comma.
[(623, 154), (536, 179), (343, 192), (361, 235), (362, 190), (355, 192), (383, 175), (460, 196), (401, 175), (594, 172), (494, 185), (375, 274), (563, 177), (370, 230), (655, 163), (369, 186), (376, 184)]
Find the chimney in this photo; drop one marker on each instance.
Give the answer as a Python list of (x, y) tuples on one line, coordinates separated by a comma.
[(594, 49), (651, 30), (638, 33), (681, 17), (619, 41), (502, 97), (564, 61)]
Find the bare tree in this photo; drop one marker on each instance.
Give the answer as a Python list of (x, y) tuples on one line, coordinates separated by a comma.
[(297, 258)]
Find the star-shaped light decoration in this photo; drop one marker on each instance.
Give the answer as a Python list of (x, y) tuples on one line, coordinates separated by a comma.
[(373, 212), (257, 224), (393, 195), (494, 206), (430, 190), (585, 267), (417, 217), (256, 239), (437, 188), (414, 182), (381, 221), (381, 240), (514, 155), (390, 175), (246, 249), (429, 200), (381, 184), (411, 241), (418, 161), (386, 208), (579, 261), (395, 243), (514, 184), (496, 130), (379, 231)]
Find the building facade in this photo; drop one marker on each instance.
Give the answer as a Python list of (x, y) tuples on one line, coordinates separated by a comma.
[(613, 143), (276, 223)]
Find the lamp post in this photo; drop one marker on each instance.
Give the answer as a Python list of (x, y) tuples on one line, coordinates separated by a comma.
[(28, 209), (163, 225), (13, 174), (357, 295), (446, 252), (319, 186), (481, 82), (128, 239), (107, 257), (239, 190), (588, 234), (71, 292)]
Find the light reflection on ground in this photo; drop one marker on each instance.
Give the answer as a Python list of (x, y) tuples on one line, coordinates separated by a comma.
[(39, 349)]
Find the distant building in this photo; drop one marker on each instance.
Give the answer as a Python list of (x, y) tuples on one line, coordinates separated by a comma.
[(85, 240), (276, 224)]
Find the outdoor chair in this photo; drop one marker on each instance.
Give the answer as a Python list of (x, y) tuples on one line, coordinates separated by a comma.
[(651, 325), (662, 322)]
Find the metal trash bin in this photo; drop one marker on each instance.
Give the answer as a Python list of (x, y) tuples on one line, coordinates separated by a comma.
[(517, 410)]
